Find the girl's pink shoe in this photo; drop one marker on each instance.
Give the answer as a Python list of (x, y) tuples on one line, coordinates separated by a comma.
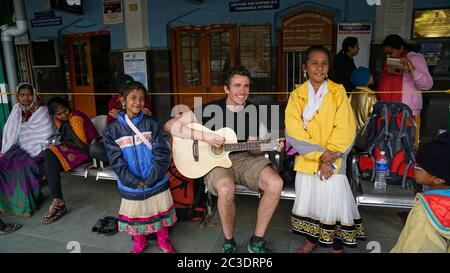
[(140, 242), (166, 246), (137, 249), (337, 250), (307, 248)]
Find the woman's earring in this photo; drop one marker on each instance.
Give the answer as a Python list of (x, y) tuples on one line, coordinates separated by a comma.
[(304, 74), (123, 105)]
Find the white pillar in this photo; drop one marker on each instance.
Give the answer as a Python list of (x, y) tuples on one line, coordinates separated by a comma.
[(136, 24)]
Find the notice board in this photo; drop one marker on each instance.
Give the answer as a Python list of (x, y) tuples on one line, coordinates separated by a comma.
[(307, 27), (254, 42)]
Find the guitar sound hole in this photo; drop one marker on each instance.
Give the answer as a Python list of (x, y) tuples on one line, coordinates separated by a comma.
[(217, 151)]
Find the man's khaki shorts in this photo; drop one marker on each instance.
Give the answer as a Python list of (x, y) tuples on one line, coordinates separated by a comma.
[(245, 170)]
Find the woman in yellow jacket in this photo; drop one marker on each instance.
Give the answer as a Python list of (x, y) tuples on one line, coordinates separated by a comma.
[(320, 125)]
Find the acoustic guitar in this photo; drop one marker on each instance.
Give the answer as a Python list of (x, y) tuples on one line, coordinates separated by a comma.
[(195, 158)]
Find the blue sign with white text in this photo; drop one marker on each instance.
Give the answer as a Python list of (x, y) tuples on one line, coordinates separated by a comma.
[(254, 5)]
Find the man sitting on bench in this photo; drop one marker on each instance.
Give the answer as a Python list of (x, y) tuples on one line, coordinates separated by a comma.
[(251, 170)]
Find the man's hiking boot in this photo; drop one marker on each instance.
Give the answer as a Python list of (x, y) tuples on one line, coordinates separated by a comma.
[(258, 247), (229, 248)]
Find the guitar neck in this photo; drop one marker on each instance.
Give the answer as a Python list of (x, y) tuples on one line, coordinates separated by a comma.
[(246, 146)]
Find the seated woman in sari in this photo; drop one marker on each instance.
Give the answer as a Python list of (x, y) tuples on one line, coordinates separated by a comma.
[(77, 133), (21, 162)]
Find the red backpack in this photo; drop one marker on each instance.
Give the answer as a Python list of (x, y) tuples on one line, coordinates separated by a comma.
[(390, 129), (188, 195)]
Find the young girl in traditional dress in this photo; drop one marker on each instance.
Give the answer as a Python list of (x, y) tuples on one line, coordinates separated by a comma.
[(140, 156), (321, 127)]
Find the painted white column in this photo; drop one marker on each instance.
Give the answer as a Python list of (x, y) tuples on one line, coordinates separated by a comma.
[(136, 24)]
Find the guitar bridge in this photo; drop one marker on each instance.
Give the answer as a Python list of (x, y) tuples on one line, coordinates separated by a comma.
[(195, 150)]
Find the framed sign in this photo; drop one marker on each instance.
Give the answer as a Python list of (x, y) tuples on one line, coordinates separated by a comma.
[(112, 12), (75, 6), (135, 65), (307, 27), (394, 17), (254, 42), (363, 32), (431, 23)]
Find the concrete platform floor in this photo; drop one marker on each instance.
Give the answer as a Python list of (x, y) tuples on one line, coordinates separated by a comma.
[(88, 200)]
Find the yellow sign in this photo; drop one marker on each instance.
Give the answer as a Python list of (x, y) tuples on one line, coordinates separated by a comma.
[(433, 23)]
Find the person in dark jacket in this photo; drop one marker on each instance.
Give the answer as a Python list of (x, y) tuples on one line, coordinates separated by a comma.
[(140, 156), (344, 64)]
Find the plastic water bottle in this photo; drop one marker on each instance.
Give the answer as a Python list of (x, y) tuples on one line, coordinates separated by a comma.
[(381, 169)]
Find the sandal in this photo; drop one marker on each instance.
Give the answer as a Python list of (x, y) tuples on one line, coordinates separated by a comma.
[(98, 227), (307, 248), (111, 226), (10, 228), (54, 213)]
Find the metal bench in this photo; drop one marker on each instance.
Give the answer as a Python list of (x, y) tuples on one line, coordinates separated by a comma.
[(106, 173)]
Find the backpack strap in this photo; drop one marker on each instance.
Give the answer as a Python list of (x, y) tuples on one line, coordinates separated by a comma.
[(401, 134), (388, 136), (383, 133), (409, 145), (405, 175)]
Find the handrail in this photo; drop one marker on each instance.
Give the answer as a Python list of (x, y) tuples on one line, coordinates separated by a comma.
[(222, 93)]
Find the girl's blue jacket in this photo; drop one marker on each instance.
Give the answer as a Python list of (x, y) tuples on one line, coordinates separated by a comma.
[(133, 161)]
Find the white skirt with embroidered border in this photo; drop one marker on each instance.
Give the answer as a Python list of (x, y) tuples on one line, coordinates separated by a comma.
[(326, 210), (142, 217)]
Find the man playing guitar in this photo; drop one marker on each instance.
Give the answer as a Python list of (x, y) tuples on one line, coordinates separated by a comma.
[(249, 169)]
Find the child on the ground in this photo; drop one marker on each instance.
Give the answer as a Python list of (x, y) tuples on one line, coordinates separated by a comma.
[(427, 228), (364, 99), (140, 156)]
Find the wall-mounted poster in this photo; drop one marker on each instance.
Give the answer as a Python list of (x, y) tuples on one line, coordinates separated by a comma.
[(361, 31), (135, 65), (112, 12), (307, 27), (254, 44), (431, 52), (75, 6), (394, 17), (431, 23)]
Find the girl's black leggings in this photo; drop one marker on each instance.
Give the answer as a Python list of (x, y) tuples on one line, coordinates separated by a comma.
[(53, 168)]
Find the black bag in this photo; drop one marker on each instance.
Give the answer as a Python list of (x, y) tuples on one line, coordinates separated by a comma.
[(97, 150), (287, 173)]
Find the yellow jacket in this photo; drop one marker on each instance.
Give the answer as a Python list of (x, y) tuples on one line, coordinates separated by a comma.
[(362, 105), (332, 128)]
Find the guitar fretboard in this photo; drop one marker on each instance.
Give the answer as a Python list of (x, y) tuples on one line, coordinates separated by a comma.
[(245, 146)]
